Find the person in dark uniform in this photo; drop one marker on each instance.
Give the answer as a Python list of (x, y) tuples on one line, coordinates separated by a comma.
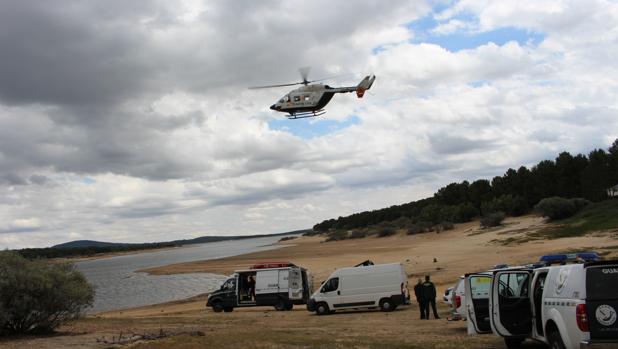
[(419, 297), (428, 294), (251, 286)]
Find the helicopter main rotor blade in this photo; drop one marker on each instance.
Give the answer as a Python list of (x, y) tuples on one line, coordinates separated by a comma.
[(269, 86)]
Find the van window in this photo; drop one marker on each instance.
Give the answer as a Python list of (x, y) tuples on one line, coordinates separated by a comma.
[(330, 285), (513, 285), (602, 282), (479, 287)]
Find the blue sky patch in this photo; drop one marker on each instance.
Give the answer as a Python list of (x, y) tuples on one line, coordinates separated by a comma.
[(88, 180), (312, 127), (467, 38)]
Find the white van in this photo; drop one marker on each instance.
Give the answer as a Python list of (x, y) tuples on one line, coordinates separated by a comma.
[(566, 306), (368, 286), (278, 284)]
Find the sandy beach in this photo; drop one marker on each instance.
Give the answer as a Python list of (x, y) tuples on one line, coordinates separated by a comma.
[(464, 249)]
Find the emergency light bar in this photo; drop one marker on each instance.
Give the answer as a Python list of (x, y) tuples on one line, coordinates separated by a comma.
[(570, 257)]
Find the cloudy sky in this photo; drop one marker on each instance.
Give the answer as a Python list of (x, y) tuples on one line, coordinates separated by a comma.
[(132, 121)]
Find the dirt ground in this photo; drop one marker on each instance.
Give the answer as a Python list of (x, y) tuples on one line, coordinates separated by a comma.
[(464, 249)]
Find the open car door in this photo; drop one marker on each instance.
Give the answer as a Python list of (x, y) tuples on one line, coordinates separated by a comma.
[(477, 287), (510, 305)]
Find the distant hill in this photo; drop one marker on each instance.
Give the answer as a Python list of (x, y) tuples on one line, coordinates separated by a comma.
[(197, 240), (87, 243), (82, 248)]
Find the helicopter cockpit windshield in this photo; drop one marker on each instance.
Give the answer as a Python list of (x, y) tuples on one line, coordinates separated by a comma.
[(285, 99)]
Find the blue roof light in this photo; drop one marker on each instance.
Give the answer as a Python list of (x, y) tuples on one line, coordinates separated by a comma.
[(569, 257)]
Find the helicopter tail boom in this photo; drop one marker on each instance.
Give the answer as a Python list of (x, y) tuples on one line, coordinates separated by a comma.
[(364, 85)]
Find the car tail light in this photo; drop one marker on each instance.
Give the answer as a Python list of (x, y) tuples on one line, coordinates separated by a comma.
[(457, 301), (582, 317)]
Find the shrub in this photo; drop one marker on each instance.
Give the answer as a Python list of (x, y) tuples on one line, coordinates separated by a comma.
[(511, 205), (36, 297), (419, 227), (337, 236), (447, 225), (465, 212), (580, 203), (492, 220), (556, 208), (288, 238), (358, 234), (386, 232)]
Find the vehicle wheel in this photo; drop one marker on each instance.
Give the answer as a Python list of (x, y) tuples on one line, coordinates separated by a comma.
[(289, 306), (387, 304), (513, 343), (322, 309), (280, 305), (217, 307), (555, 341), (228, 309)]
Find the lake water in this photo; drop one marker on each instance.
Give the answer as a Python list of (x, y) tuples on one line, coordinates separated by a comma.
[(119, 286)]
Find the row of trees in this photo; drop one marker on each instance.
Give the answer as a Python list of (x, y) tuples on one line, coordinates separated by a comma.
[(515, 193)]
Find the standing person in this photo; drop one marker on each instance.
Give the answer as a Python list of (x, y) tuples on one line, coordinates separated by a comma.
[(419, 297), (428, 291), (251, 284)]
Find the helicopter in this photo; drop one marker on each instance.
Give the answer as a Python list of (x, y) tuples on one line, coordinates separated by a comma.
[(310, 99)]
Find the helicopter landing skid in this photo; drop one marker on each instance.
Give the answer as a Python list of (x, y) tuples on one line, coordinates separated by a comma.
[(309, 114)]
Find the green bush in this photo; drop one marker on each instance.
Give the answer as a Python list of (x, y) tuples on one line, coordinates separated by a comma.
[(36, 297), (511, 205), (492, 220), (556, 207), (447, 226), (337, 236), (419, 227), (386, 232), (358, 234), (580, 203)]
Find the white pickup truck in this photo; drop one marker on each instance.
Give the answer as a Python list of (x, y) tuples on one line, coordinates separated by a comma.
[(566, 306)]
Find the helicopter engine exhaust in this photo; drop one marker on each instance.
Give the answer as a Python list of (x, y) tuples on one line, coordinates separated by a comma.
[(364, 85)]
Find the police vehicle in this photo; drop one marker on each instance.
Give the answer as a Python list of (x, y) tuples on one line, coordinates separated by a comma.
[(567, 306)]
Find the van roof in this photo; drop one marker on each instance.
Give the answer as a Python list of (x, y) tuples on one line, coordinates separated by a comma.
[(366, 268), (266, 269)]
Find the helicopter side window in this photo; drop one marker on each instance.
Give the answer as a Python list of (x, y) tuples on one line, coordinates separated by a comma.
[(307, 97), (286, 98), (296, 98)]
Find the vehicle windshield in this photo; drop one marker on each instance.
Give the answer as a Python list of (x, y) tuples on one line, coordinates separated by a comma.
[(230, 284), (330, 285)]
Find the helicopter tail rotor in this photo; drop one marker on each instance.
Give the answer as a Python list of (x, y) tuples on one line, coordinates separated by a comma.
[(364, 85)]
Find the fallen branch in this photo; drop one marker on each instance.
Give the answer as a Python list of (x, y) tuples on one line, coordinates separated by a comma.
[(124, 339)]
